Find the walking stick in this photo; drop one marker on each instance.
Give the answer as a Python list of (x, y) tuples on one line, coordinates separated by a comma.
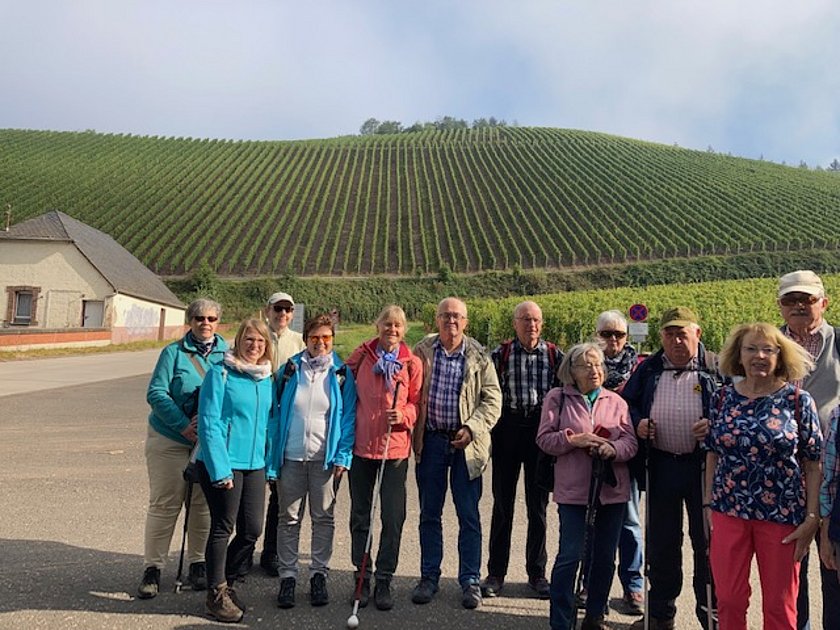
[(646, 586), (593, 501), (187, 502), (708, 541), (353, 619)]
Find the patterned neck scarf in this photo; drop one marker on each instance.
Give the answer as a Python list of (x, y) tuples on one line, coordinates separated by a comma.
[(319, 363), (203, 348), (620, 367), (388, 366)]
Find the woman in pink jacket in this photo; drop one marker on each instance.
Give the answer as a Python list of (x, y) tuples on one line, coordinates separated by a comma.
[(581, 422), (379, 365)]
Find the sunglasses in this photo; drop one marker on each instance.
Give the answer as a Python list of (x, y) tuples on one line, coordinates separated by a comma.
[(804, 300), (606, 334), (279, 308), (205, 318), (324, 339)]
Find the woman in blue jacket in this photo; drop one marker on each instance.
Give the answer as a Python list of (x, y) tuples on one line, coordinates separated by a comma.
[(310, 450), (170, 438), (235, 406)]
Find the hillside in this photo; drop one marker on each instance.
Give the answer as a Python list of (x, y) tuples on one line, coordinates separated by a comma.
[(473, 200)]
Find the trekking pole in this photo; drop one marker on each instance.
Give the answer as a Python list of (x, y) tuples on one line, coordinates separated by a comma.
[(187, 502), (708, 541), (593, 500), (647, 527), (353, 619)]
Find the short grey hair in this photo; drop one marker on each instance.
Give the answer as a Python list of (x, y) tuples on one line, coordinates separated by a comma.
[(613, 319), (202, 305), (574, 353)]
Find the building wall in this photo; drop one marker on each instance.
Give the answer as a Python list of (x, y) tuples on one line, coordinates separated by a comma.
[(64, 276), (133, 319)]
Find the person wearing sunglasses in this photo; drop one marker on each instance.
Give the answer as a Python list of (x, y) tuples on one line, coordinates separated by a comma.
[(621, 359), (802, 302), (170, 438), (279, 312), (310, 449)]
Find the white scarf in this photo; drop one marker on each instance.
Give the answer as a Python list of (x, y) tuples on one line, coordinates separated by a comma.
[(256, 371)]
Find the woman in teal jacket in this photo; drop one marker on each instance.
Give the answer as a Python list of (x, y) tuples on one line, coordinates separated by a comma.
[(310, 449), (235, 407), (170, 437)]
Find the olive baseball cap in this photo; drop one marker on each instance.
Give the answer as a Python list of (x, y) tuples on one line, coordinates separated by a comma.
[(678, 316)]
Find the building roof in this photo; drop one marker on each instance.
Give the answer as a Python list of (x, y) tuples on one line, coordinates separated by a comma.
[(118, 266)]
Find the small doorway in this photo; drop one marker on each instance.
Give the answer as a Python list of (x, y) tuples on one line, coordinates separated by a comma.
[(93, 313)]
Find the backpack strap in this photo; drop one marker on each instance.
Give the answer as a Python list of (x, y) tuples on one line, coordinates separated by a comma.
[(288, 371)]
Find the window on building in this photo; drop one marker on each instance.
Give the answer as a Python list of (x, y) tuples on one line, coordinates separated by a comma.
[(23, 305)]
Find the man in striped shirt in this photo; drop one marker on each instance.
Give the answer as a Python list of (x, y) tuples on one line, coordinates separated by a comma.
[(802, 302), (527, 368), (669, 397)]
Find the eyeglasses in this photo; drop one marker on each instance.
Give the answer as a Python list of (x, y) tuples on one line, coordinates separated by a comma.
[(530, 320), (799, 300), (451, 317), (280, 308), (606, 334), (203, 318), (324, 339), (588, 366), (766, 350)]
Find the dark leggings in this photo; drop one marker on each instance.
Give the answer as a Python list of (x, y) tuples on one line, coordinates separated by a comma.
[(244, 504)]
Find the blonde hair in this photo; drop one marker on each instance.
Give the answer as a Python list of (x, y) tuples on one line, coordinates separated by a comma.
[(391, 312), (261, 327), (793, 364)]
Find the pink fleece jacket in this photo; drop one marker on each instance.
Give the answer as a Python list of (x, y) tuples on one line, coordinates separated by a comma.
[(573, 469), (373, 399)]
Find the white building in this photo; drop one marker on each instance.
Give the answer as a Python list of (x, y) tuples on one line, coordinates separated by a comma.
[(65, 283)]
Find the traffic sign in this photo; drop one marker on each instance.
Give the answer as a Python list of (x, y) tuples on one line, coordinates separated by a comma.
[(638, 312)]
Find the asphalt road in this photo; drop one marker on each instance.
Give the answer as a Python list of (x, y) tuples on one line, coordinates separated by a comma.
[(74, 491)]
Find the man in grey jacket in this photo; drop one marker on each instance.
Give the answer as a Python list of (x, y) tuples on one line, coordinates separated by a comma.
[(459, 405), (802, 302)]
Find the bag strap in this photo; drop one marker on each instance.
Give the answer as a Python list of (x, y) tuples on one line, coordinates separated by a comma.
[(198, 366)]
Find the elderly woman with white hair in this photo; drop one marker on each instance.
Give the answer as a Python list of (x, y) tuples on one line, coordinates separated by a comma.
[(620, 358), (583, 422)]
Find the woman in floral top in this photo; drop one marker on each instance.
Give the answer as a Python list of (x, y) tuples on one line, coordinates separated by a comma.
[(762, 475)]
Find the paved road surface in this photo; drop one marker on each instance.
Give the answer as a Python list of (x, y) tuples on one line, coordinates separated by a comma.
[(71, 528)]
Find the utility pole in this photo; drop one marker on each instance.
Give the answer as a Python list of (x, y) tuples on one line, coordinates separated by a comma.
[(8, 216)]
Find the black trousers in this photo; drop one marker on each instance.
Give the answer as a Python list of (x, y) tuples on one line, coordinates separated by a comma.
[(271, 517), (242, 507), (675, 483), (830, 595), (515, 448)]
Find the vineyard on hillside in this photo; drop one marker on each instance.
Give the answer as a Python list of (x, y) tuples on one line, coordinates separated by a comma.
[(469, 200), (570, 317)]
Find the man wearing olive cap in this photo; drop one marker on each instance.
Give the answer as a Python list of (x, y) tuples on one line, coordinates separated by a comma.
[(669, 397)]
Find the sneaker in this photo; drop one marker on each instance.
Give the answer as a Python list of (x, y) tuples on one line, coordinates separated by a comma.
[(286, 594), (540, 586), (593, 623), (633, 602), (197, 576), (424, 591), (318, 595), (382, 594), (471, 597), (221, 607), (364, 594), (270, 563), (492, 586), (150, 584)]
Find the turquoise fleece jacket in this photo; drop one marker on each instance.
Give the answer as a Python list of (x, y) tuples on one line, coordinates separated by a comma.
[(173, 385), (341, 427), (233, 418)]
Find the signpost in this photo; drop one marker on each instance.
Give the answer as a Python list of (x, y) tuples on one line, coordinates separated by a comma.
[(638, 330)]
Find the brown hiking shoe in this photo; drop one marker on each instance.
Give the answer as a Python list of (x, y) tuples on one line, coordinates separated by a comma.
[(221, 607)]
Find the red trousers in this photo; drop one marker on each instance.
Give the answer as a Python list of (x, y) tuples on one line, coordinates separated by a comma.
[(734, 543)]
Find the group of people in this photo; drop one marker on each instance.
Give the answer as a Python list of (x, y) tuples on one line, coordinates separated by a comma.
[(735, 440)]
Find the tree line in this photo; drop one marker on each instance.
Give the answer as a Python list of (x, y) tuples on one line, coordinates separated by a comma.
[(372, 126)]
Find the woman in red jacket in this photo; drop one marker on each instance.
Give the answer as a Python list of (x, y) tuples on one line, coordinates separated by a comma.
[(378, 365)]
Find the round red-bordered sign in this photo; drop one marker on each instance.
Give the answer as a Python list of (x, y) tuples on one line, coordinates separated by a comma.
[(638, 312)]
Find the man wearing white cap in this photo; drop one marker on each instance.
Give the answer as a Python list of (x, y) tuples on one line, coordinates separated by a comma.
[(802, 302), (279, 312)]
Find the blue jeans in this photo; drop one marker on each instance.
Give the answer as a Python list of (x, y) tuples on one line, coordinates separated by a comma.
[(603, 544), (630, 545), (438, 458)]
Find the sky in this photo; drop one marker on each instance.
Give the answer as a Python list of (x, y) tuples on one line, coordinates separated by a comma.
[(754, 78)]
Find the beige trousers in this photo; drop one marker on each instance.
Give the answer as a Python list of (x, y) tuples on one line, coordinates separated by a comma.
[(165, 461)]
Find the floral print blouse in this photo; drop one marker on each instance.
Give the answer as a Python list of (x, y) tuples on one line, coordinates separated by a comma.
[(758, 443)]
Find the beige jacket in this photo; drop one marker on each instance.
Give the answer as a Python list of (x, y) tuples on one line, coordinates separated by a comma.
[(479, 407), (286, 345)]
